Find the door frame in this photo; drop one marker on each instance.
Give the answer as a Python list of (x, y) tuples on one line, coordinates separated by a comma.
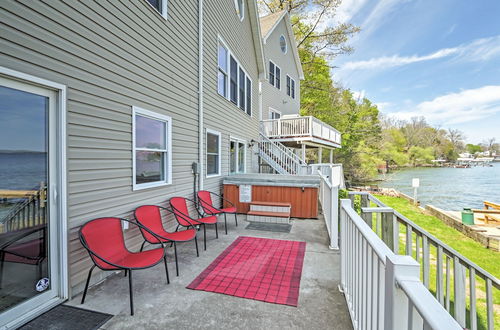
[(58, 193)]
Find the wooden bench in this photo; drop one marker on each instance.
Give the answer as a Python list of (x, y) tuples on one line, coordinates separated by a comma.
[(274, 212), (489, 208)]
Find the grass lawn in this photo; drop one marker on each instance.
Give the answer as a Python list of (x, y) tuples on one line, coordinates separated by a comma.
[(485, 258)]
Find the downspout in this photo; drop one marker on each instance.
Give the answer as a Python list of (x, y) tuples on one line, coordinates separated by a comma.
[(200, 93)]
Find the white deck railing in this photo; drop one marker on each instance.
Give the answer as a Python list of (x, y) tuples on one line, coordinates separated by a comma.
[(300, 127), (331, 179), (383, 290), (451, 278)]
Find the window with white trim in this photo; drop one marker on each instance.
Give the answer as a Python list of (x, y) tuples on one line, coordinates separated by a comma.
[(274, 114), (283, 45), (274, 75), (213, 155), (240, 8), (159, 5), (152, 143), (290, 87), (222, 73), (233, 82), (237, 155)]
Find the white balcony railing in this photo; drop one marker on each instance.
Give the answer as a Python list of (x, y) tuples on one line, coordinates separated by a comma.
[(300, 127), (382, 289)]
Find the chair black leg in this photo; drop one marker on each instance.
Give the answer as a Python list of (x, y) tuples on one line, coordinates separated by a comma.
[(176, 262), (216, 230), (166, 269), (131, 292), (236, 219), (125, 272), (205, 236), (142, 246), (87, 284), (225, 222), (196, 244)]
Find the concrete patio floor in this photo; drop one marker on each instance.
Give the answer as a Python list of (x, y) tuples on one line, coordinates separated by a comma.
[(158, 305)]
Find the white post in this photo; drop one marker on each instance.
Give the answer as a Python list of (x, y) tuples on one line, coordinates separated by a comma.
[(396, 301), (331, 156), (304, 152), (334, 214), (320, 155)]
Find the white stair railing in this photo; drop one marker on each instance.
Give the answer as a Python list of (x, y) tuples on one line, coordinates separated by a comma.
[(281, 158)]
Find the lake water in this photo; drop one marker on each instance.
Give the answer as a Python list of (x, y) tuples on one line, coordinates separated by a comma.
[(21, 171), (449, 188)]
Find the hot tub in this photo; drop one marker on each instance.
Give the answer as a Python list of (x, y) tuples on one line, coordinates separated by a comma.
[(300, 191)]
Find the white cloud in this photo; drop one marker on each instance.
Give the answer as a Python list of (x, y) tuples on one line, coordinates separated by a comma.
[(348, 9), (477, 50), (454, 108), (358, 95), (376, 17)]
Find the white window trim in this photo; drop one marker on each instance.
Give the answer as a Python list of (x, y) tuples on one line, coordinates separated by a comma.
[(227, 84), (274, 110), (286, 44), (295, 85), (242, 17), (238, 140), (228, 80), (164, 8), (219, 169), (168, 150)]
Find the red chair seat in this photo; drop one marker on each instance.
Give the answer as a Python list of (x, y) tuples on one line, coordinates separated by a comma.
[(178, 236), (25, 253), (231, 209), (137, 260), (210, 220)]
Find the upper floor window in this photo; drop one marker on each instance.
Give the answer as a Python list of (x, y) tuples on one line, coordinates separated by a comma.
[(283, 44), (222, 74), (290, 87), (213, 153), (152, 136), (233, 83), (160, 5), (240, 8), (274, 75)]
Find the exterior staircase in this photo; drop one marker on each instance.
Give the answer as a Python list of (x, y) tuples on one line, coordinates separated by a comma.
[(281, 158)]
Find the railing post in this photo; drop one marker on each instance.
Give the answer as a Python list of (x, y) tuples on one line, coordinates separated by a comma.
[(396, 301), (459, 291), (344, 203), (387, 229), (310, 126), (279, 127), (334, 215)]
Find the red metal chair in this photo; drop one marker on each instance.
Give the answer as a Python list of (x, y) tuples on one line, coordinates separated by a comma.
[(103, 239), (181, 212), (150, 217), (205, 198)]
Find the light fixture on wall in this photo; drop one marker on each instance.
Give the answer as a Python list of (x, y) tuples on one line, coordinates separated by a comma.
[(252, 143)]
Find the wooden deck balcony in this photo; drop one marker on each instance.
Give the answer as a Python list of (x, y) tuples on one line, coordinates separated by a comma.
[(301, 129)]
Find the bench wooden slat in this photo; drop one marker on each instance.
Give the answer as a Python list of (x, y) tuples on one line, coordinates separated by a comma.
[(270, 214), (279, 204)]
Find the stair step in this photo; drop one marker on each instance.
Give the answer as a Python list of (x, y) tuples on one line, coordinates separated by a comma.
[(269, 214)]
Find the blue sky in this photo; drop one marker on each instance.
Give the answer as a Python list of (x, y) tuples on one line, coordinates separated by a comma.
[(438, 59)]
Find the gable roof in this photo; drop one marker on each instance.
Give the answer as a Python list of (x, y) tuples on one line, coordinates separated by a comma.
[(256, 36), (267, 26)]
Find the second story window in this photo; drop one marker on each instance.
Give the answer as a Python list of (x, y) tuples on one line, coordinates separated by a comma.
[(233, 82), (222, 74), (240, 8), (290, 87), (274, 75), (160, 5)]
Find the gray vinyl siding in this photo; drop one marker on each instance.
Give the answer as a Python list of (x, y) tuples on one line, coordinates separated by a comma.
[(271, 96), (111, 55), (220, 114)]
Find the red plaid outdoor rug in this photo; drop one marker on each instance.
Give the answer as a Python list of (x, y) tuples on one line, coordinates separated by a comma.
[(256, 268)]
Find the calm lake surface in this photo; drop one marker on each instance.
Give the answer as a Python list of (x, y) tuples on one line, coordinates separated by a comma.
[(449, 188)]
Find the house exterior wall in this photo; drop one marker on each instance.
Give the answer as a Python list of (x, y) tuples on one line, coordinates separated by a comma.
[(111, 55), (271, 96), (220, 114)]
